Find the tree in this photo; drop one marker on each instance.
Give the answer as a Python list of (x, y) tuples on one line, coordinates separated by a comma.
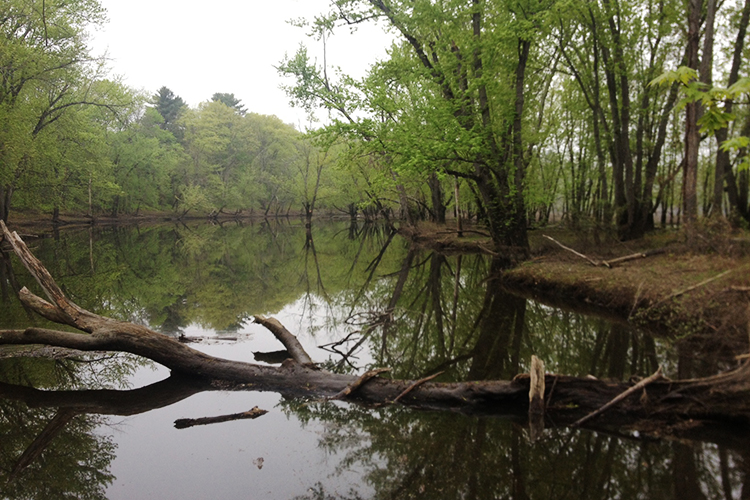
[(47, 73), (145, 159), (462, 69), (170, 107), (230, 101), (612, 51)]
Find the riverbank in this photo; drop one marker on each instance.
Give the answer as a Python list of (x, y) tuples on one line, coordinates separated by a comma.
[(673, 291), (677, 291)]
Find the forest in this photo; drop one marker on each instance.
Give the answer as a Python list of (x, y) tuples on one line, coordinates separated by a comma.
[(600, 121), (618, 115)]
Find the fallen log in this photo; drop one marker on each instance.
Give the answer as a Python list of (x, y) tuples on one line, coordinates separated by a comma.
[(725, 397), (184, 423)]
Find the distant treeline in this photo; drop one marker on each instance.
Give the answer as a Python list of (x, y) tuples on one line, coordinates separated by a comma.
[(619, 114)]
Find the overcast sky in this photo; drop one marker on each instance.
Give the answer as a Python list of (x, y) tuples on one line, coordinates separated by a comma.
[(232, 46)]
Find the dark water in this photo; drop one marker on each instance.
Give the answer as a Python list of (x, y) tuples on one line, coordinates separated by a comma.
[(357, 297)]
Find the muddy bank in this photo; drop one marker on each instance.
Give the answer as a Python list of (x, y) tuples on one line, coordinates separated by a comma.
[(678, 292)]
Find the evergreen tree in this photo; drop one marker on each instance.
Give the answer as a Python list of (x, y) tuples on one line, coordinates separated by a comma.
[(230, 101), (170, 107)]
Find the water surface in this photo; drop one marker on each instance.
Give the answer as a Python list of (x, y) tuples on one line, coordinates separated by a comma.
[(357, 297)]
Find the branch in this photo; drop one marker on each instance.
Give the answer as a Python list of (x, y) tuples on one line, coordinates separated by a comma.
[(626, 258), (702, 283), (284, 336), (593, 262), (184, 423), (416, 384), (640, 385), (349, 389), (65, 310)]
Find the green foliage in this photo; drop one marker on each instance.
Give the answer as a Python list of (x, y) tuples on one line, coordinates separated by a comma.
[(170, 107), (230, 101)]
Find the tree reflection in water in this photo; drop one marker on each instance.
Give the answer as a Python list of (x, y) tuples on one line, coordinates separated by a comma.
[(427, 313)]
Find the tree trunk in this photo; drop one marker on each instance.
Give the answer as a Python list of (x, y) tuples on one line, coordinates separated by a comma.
[(436, 195), (692, 134), (723, 170), (6, 193)]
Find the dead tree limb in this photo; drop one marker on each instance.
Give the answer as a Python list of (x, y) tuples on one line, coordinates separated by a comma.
[(612, 262), (639, 255), (590, 260), (184, 423), (416, 384), (284, 336), (640, 385), (698, 285), (362, 380)]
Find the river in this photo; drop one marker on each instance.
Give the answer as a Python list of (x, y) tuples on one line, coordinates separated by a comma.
[(357, 297)]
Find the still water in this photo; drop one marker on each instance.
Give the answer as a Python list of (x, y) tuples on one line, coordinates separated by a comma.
[(358, 297)]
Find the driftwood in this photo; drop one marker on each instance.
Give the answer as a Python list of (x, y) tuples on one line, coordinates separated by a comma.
[(724, 398), (184, 423)]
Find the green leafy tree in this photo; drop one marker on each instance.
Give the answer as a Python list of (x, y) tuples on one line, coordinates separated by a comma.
[(451, 98), (47, 74)]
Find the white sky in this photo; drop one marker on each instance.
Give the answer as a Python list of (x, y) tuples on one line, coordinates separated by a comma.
[(232, 46)]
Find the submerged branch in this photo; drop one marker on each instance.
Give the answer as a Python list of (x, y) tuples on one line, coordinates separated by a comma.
[(184, 423)]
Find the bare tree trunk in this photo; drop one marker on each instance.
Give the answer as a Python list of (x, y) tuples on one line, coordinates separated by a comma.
[(723, 170), (692, 134)]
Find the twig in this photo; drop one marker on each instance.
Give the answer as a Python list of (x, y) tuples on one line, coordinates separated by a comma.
[(593, 262), (358, 383), (640, 385), (184, 423), (416, 384)]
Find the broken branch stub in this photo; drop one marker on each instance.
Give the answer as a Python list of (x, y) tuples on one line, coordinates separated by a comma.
[(284, 336)]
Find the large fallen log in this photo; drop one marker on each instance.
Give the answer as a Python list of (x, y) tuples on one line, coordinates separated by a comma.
[(724, 397)]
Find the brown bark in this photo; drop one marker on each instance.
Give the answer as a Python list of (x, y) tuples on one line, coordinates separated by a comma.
[(184, 423)]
